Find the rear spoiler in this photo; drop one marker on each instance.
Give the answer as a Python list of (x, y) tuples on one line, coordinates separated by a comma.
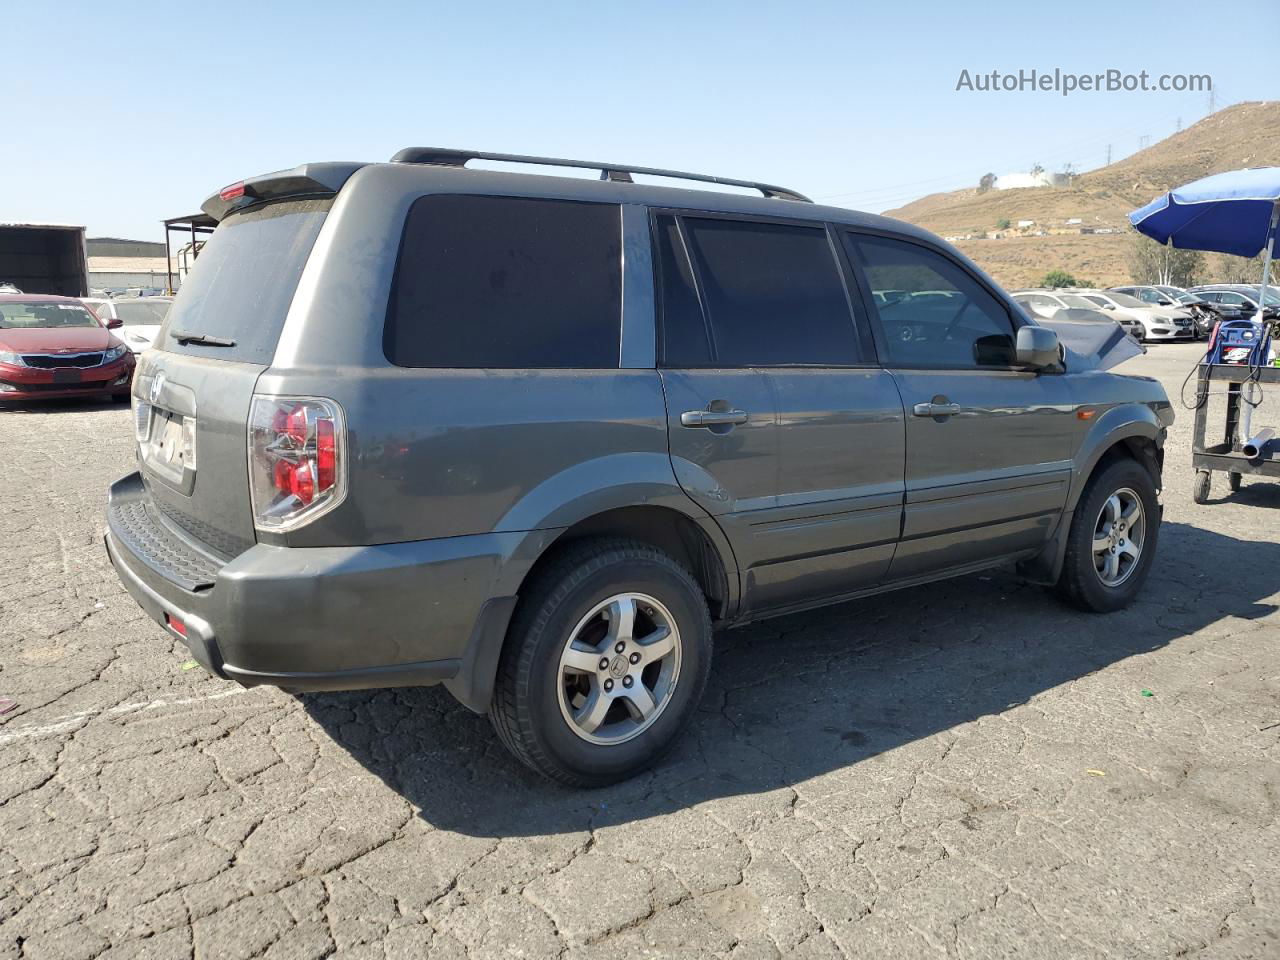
[(308, 180)]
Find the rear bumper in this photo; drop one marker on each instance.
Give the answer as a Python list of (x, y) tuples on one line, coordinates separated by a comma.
[(34, 383), (320, 618)]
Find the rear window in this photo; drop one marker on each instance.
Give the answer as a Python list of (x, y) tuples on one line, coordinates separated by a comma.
[(504, 282), (141, 313), (244, 280)]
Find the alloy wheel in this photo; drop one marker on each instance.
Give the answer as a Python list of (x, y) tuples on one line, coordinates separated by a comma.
[(619, 668), (1118, 536)]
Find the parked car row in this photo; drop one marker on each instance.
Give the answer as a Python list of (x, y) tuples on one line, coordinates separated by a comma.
[(57, 347), (1152, 312), (1142, 321)]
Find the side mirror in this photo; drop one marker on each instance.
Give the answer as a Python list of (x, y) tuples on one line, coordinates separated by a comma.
[(1037, 348), (115, 323), (1108, 306)]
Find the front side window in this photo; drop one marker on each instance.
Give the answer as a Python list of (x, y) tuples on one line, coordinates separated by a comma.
[(773, 294), (931, 311), (507, 283)]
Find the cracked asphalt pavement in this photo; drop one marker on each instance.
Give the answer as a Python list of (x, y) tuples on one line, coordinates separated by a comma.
[(967, 769)]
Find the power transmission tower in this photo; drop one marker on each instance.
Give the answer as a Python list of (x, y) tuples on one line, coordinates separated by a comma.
[(1144, 141), (1213, 99), (1108, 163), (1179, 130)]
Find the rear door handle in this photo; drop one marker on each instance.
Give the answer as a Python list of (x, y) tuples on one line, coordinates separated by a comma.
[(713, 418), (936, 409)]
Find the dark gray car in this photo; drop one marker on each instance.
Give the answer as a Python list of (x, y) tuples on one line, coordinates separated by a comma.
[(535, 438)]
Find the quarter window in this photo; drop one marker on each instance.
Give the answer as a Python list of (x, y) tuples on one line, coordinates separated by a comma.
[(773, 294), (503, 282), (931, 311)]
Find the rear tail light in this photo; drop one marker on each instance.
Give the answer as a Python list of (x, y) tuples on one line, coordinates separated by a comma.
[(297, 460), (141, 419)]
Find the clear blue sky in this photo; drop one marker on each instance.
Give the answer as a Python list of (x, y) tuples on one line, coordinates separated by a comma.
[(118, 115)]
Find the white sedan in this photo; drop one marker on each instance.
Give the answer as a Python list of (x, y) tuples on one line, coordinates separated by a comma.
[(141, 317), (1158, 323)]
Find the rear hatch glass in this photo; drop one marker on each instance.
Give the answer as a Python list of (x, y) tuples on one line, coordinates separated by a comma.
[(243, 281)]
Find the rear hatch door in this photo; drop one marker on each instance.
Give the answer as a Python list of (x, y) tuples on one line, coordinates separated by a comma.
[(193, 392)]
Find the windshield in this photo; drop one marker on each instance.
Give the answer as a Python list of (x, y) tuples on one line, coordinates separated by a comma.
[(19, 316), (1077, 302), (243, 281), (1124, 300), (141, 313)]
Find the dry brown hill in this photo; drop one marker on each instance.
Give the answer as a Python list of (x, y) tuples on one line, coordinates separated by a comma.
[(1244, 135)]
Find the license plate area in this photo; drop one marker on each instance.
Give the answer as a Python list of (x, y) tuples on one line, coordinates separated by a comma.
[(170, 447), (66, 375)]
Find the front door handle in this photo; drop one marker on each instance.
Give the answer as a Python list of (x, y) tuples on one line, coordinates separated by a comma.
[(713, 418), (936, 408)]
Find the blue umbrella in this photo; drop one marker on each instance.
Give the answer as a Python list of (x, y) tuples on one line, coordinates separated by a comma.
[(1234, 212)]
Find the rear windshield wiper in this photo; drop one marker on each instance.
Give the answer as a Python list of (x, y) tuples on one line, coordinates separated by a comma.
[(203, 339)]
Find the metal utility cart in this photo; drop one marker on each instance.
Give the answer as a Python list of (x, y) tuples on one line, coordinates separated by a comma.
[(1231, 454), (1236, 213)]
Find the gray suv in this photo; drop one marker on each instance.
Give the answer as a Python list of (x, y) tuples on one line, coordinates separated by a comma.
[(536, 437)]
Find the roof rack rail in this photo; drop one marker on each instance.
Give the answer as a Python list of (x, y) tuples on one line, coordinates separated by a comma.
[(617, 172)]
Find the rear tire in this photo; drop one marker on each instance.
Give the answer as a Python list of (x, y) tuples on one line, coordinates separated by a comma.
[(578, 670), (1118, 515)]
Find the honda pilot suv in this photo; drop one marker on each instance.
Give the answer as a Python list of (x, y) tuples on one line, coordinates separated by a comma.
[(536, 438)]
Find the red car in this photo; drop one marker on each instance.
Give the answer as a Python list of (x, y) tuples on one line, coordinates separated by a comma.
[(56, 347)]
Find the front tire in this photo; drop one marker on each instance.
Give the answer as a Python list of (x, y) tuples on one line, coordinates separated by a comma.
[(605, 663), (1112, 540), (1201, 485)]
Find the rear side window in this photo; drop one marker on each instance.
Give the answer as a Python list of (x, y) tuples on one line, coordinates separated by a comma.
[(932, 313), (244, 279), (504, 282), (773, 294)]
